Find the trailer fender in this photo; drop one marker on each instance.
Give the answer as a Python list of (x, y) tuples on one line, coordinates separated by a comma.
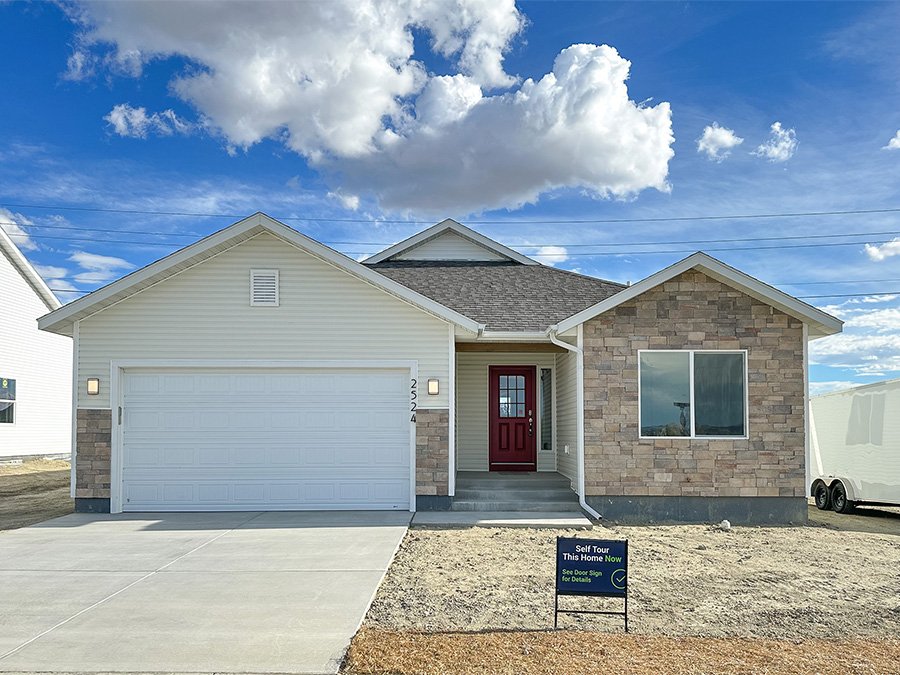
[(847, 485)]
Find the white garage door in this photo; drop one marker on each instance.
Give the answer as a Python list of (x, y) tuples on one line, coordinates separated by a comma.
[(243, 440)]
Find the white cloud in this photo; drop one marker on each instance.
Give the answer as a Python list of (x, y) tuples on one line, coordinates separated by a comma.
[(882, 320), (865, 354), (136, 123), (717, 142), (894, 143), (883, 251), (99, 268), (338, 83), (826, 387), (781, 145), (12, 224), (550, 255), (49, 272), (56, 278), (349, 202), (575, 127)]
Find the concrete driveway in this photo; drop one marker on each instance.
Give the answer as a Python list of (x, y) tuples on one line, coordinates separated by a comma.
[(200, 593)]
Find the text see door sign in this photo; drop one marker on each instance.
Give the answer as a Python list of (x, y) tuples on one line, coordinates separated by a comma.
[(591, 567)]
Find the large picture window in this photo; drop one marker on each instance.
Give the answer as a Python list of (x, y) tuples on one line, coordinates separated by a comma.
[(693, 394), (7, 401)]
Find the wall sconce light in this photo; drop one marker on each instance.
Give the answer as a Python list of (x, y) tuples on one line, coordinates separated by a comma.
[(433, 387), (93, 386)]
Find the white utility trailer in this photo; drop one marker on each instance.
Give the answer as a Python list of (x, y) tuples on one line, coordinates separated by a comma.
[(855, 447)]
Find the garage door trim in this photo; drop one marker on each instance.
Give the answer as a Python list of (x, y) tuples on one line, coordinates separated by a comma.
[(117, 381)]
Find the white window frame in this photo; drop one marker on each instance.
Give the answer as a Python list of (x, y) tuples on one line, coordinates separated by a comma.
[(267, 272), (693, 435), (14, 404)]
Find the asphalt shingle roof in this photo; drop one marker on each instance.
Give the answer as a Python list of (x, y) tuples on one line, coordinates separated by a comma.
[(505, 296)]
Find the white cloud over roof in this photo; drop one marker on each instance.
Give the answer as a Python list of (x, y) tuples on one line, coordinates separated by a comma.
[(339, 83)]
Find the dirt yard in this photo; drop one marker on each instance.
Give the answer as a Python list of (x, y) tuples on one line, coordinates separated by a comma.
[(34, 492), (822, 598), (830, 581)]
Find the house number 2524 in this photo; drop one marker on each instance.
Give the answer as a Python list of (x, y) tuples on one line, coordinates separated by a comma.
[(412, 401)]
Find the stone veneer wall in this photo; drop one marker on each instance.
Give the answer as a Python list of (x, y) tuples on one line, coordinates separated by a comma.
[(433, 453), (93, 441), (694, 311)]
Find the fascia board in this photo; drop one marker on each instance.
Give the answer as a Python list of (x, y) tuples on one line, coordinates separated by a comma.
[(27, 271), (449, 225), (53, 321), (824, 323)]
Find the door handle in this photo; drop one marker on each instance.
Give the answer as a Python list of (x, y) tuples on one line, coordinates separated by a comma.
[(531, 426)]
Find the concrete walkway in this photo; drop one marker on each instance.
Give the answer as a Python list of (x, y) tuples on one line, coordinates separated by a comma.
[(199, 593), (533, 519)]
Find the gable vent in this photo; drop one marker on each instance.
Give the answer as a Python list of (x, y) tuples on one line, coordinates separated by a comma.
[(264, 288)]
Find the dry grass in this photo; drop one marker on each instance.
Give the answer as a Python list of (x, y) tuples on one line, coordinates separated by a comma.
[(34, 492), (383, 651)]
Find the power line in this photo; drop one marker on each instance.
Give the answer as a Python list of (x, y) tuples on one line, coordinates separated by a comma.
[(586, 221), (533, 255), (849, 295), (799, 297), (526, 246)]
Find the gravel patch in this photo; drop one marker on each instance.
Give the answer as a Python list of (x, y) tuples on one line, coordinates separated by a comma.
[(377, 650), (685, 580)]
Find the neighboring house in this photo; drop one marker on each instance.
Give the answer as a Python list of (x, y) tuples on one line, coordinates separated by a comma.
[(260, 370), (35, 367)]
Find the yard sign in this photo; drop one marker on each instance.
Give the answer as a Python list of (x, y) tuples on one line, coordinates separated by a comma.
[(591, 567)]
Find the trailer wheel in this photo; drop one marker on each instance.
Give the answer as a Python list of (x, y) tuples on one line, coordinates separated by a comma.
[(823, 497), (839, 501)]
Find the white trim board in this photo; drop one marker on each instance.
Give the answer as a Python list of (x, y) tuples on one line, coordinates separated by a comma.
[(820, 323)]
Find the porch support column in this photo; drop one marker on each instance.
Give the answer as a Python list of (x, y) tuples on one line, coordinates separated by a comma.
[(451, 397)]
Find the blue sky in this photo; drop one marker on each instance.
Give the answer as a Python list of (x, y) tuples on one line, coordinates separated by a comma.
[(534, 123)]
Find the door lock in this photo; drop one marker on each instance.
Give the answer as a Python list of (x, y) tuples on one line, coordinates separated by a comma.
[(531, 426)]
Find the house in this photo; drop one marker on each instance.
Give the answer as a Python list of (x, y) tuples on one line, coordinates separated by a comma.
[(258, 369), (35, 367)]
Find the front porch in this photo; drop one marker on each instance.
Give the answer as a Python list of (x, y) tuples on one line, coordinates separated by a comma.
[(515, 440), (514, 491)]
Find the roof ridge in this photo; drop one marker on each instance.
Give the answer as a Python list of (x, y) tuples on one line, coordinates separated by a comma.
[(584, 276)]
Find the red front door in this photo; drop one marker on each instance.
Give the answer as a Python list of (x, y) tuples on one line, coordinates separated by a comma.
[(512, 418)]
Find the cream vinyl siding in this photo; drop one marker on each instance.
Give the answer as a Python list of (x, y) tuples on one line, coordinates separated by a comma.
[(449, 246), (566, 415), (204, 313), (41, 365), (472, 405)]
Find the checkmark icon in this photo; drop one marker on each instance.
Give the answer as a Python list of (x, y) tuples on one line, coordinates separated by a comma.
[(618, 578)]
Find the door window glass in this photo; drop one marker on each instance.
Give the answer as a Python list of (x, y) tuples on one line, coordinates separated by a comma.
[(512, 396)]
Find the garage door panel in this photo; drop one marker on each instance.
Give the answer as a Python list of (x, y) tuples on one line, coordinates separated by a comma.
[(276, 496), (263, 440)]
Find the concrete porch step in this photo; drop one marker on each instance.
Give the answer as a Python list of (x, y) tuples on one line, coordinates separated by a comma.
[(552, 482), (517, 494), (562, 520), (515, 505)]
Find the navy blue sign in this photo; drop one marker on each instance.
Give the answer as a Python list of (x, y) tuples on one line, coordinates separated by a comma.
[(591, 567)]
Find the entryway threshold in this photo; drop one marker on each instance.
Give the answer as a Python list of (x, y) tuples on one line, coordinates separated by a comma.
[(531, 519)]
